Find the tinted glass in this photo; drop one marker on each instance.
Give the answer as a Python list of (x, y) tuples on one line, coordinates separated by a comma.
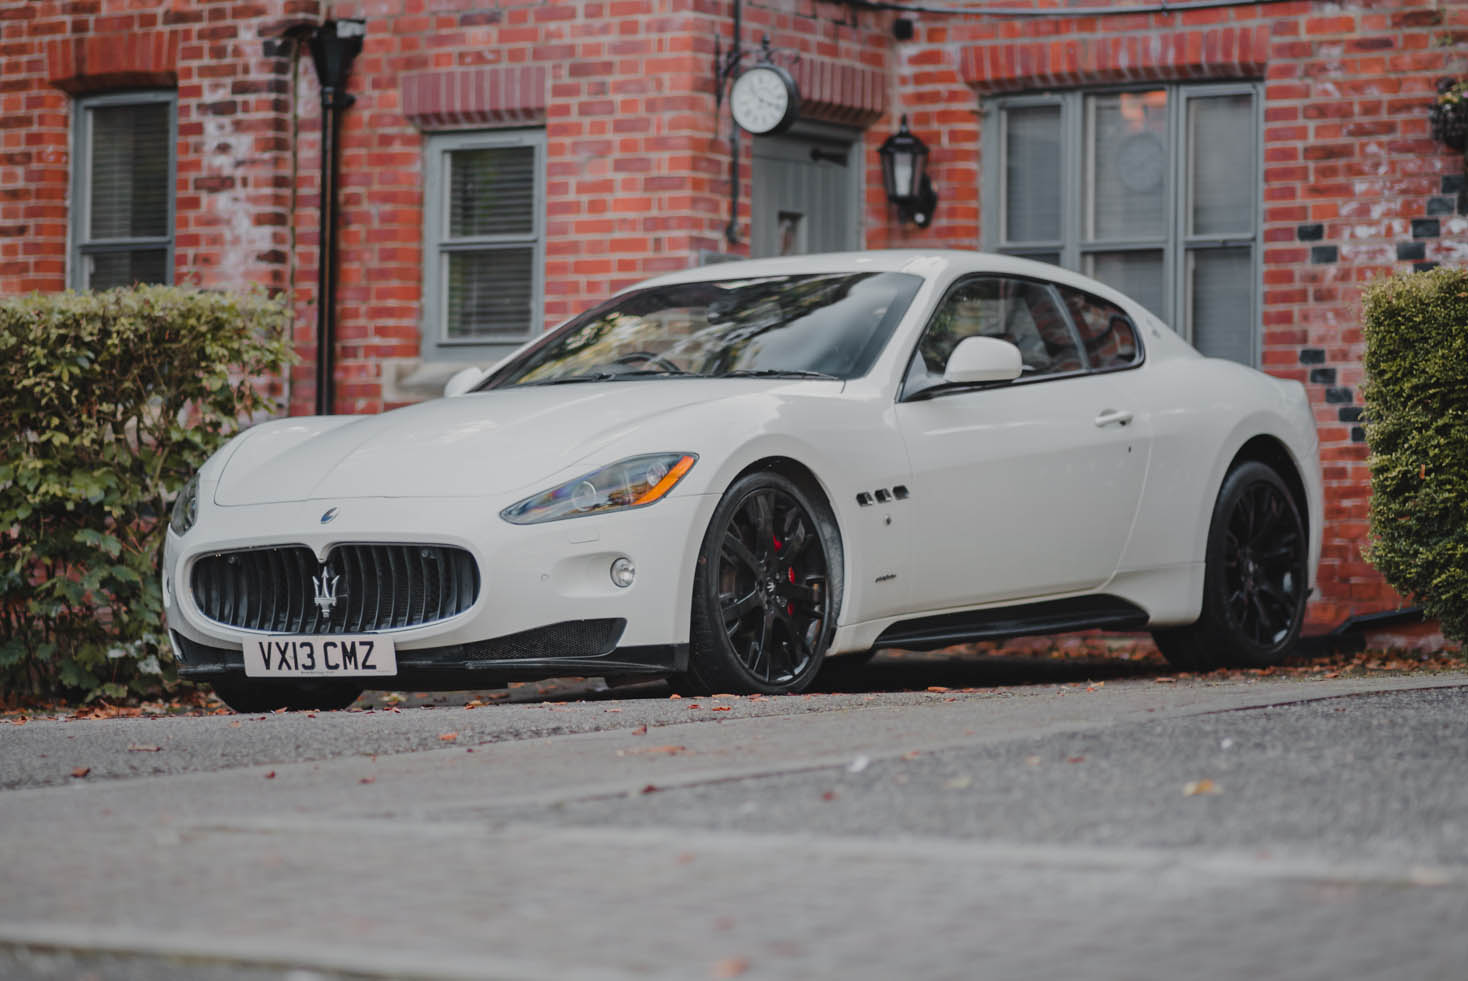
[(1014, 310), (1108, 334), (1221, 158), (489, 292), (491, 191), (833, 324), (129, 189), (1221, 291)]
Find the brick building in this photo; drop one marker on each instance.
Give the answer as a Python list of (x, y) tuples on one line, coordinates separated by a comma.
[(1241, 167)]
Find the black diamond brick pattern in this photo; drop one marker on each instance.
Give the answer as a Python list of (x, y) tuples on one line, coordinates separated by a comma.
[(1323, 253), (1426, 228), (1423, 266), (1310, 233), (1441, 205), (1338, 395), (1411, 251), (1312, 355), (1351, 413), (1322, 376)]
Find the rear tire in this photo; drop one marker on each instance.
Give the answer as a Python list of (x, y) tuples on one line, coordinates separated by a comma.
[(766, 592), (1255, 578), (248, 696)]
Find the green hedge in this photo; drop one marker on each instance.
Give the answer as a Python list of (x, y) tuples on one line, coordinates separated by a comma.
[(1417, 428), (108, 403)]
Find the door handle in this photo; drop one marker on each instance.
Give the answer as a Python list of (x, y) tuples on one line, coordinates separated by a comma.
[(1113, 417)]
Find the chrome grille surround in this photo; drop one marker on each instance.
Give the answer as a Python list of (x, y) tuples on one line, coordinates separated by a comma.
[(376, 587)]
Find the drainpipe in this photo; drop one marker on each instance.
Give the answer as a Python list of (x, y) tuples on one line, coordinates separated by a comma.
[(334, 46)]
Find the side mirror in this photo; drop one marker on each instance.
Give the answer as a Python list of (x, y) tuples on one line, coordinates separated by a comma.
[(463, 380), (983, 359)]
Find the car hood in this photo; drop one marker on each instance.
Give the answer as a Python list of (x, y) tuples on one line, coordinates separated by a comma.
[(484, 443)]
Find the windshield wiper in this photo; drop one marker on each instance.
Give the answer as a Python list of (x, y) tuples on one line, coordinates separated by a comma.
[(775, 373), (602, 376)]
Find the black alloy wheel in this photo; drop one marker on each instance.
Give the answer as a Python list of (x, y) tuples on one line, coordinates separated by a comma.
[(1255, 579), (766, 592)]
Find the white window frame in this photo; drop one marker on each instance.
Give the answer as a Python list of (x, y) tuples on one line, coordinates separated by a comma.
[(1176, 243), (82, 244), (436, 245)]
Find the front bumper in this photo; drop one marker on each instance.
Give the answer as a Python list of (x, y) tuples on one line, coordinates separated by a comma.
[(547, 605)]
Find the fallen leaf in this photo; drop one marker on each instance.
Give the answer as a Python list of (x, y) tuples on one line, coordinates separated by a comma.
[(683, 858), (447, 737), (139, 748), (235, 724), (912, 754), (829, 795), (611, 710), (674, 695), (960, 783), (731, 967), (1164, 681), (1194, 788), (695, 705), (641, 750), (368, 780), (640, 731), (270, 775), (650, 789), (1075, 759), (722, 708), (81, 771), (859, 764), (939, 688)]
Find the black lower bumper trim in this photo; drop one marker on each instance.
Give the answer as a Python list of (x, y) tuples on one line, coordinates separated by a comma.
[(573, 648)]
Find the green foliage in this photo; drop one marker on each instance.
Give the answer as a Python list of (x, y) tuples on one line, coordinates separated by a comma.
[(109, 402), (1417, 407)]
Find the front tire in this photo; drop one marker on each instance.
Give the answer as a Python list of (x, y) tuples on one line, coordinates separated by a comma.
[(766, 592), (1255, 579), (248, 696)]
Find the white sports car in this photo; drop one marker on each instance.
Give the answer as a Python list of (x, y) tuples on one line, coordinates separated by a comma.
[(727, 475)]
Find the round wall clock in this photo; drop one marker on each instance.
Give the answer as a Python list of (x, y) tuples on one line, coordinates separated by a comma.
[(1142, 159), (764, 99)]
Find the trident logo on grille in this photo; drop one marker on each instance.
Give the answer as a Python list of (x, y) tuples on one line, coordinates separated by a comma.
[(325, 588)]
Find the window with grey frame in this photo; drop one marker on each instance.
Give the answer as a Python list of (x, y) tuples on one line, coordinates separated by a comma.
[(122, 175), (1154, 191), (484, 241)]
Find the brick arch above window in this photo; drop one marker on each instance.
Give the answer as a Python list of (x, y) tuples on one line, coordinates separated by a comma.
[(1180, 55), (474, 98), (101, 62), (836, 92)]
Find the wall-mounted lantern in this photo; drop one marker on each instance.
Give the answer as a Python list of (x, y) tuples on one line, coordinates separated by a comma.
[(905, 176)]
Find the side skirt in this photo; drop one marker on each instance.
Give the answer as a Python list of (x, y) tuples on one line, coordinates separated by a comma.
[(997, 623)]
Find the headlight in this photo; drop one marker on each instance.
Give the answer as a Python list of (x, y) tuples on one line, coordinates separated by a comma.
[(631, 483), (186, 507)]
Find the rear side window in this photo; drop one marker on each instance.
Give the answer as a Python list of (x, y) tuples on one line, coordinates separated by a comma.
[(1107, 333)]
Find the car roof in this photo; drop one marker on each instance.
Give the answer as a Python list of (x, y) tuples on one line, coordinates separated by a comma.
[(928, 263)]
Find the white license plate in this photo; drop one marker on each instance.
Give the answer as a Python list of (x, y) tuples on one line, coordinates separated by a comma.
[(347, 656)]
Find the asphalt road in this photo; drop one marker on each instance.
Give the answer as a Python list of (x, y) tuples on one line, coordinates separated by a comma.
[(1265, 827)]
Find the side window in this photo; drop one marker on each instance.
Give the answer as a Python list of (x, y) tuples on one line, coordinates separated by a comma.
[(1015, 310), (1108, 334)]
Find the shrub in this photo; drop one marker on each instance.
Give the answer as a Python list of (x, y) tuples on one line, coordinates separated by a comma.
[(108, 403), (1417, 428)]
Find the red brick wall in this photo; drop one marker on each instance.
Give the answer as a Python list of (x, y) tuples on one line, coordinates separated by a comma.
[(638, 162)]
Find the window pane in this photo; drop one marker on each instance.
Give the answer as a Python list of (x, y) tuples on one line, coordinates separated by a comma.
[(489, 293), (129, 190), (1126, 146), (1032, 174), (1221, 165), (1221, 311), (492, 191), (1137, 274), (1106, 330), (105, 270)]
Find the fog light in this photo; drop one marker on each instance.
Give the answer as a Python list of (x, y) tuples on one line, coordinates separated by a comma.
[(623, 572)]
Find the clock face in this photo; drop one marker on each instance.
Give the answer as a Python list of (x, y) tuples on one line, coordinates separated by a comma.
[(763, 99), (1141, 160)]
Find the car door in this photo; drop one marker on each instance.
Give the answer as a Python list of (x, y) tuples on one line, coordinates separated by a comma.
[(1027, 488)]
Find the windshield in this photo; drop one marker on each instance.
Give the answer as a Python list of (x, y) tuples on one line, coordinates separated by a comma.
[(830, 325)]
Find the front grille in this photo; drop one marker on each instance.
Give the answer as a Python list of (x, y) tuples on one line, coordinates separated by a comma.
[(376, 587)]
